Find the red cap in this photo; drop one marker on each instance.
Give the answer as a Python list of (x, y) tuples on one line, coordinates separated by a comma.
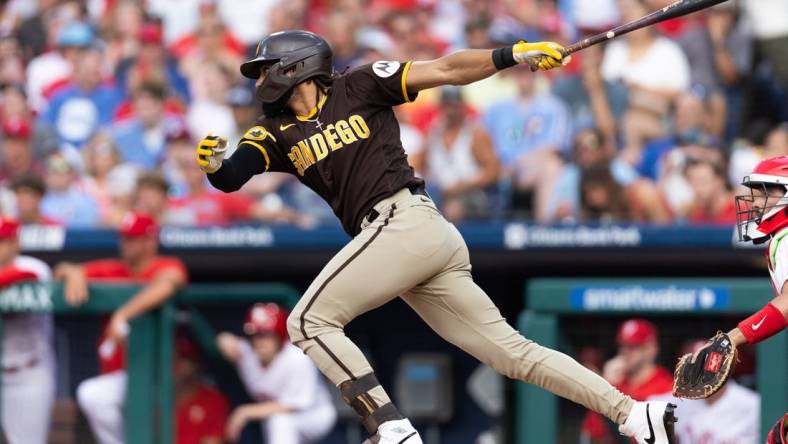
[(9, 228), (150, 33), (266, 318), (636, 332), (16, 128), (138, 224), (185, 348)]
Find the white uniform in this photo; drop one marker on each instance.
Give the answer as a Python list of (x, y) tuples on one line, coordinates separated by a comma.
[(28, 368), (734, 418), (293, 380), (101, 399), (778, 259)]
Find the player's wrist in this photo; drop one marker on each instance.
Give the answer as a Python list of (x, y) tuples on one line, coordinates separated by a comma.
[(764, 324), (504, 57)]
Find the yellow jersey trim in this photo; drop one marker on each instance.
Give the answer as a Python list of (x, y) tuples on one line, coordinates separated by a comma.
[(314, 110), (404, 81), (262, 150)]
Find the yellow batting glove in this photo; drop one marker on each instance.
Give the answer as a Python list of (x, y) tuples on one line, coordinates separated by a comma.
[(210, 153), (540, 55)]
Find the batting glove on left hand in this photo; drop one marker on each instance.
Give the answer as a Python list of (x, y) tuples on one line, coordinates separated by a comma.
[(540, 55), (210, 153)]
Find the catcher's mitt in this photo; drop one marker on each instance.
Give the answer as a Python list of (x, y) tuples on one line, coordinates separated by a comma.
[(702, 378)]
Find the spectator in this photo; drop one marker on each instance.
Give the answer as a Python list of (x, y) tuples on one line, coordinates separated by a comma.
[(100, 157), (245, 111), (101, 398), (459, 158), (632, 198), (211, 43), (12, 68), (289, 393), (769, 20), (123, 27), (341, 31), (200, 410), (530, 133), (633, 371), (18, 154), (776, 142), (602, 199), (738, 407), (65, 200), (141, 139), (712, 201), (152, 64), (209, 87), (51, 69), (28, 378), (249, 18), (484, 93), (720, 57), (152, 195), (29, 191), (655, 70), (14, 108), (78, 109), (33, 31)]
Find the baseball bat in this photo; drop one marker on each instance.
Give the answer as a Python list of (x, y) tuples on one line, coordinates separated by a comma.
[(678, 9)]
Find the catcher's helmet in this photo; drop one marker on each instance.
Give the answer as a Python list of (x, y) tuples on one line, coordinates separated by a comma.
[(266, 318), (779, 433), (294, 56), (757, 222)]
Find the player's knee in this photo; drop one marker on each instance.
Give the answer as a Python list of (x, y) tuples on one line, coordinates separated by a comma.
[(90, 396), (281, 424), (294, 326)]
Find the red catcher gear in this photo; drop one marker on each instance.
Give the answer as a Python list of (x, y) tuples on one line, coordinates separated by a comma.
[(757, 222), (266, 318), (779, 433)]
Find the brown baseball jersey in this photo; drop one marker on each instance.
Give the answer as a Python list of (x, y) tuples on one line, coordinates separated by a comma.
[(348, 149)]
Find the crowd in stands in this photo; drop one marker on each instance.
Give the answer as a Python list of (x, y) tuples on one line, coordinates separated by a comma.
[(101, 102)]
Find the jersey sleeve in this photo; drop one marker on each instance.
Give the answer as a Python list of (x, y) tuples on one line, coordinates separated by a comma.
[(382, 83), (171, 263), (106, 269), (24, 269), (260, 138), (778, 252)]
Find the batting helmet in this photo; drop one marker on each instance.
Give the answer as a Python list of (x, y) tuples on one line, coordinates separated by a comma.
[(294, 56), (779, 433), (266, 318), (756, 223)]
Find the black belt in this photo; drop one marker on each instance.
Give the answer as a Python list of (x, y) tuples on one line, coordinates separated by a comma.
[(414, 190)]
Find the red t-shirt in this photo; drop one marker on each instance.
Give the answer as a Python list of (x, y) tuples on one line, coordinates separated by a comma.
[(116, 270), (661, 382), (725, 217), (210, 209), (202, 415)]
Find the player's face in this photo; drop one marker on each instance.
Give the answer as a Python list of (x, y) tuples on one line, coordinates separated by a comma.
[(266, 346), (263, 72), (136, 249), (637, 356), (762, 197), (9, 249)]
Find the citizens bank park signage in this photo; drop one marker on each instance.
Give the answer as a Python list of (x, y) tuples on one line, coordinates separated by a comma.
[(649, 298)]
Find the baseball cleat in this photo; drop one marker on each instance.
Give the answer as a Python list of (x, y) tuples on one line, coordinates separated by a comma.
[(395, 432), (650, 423)]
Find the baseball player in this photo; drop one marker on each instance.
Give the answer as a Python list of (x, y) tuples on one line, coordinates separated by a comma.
[(338, 135), (28, 355), (102, 397), (289, 392), (761, 216)]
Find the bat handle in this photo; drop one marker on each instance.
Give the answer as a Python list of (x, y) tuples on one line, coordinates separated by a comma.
[(533, 63)]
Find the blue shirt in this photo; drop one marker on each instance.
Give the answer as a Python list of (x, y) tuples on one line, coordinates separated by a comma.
[(519, 128), (135, 148), (76, 115), (73, 208)]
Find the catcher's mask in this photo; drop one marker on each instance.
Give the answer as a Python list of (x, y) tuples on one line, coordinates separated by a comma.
[(779, 433), (292, 57), (762, 212)]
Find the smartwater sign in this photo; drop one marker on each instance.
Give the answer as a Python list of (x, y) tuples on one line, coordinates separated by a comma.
[(650, 298)]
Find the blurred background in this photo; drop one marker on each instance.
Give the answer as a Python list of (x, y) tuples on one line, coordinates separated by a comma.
[(622, 165)]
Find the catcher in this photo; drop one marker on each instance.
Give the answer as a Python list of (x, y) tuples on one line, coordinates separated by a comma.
[(762, 216)]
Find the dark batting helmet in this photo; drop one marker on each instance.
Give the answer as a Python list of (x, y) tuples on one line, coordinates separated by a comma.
[(294, 57)]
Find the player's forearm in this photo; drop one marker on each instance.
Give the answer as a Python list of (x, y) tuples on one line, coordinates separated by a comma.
[(149, 298), (467, 66), (238, 169)]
